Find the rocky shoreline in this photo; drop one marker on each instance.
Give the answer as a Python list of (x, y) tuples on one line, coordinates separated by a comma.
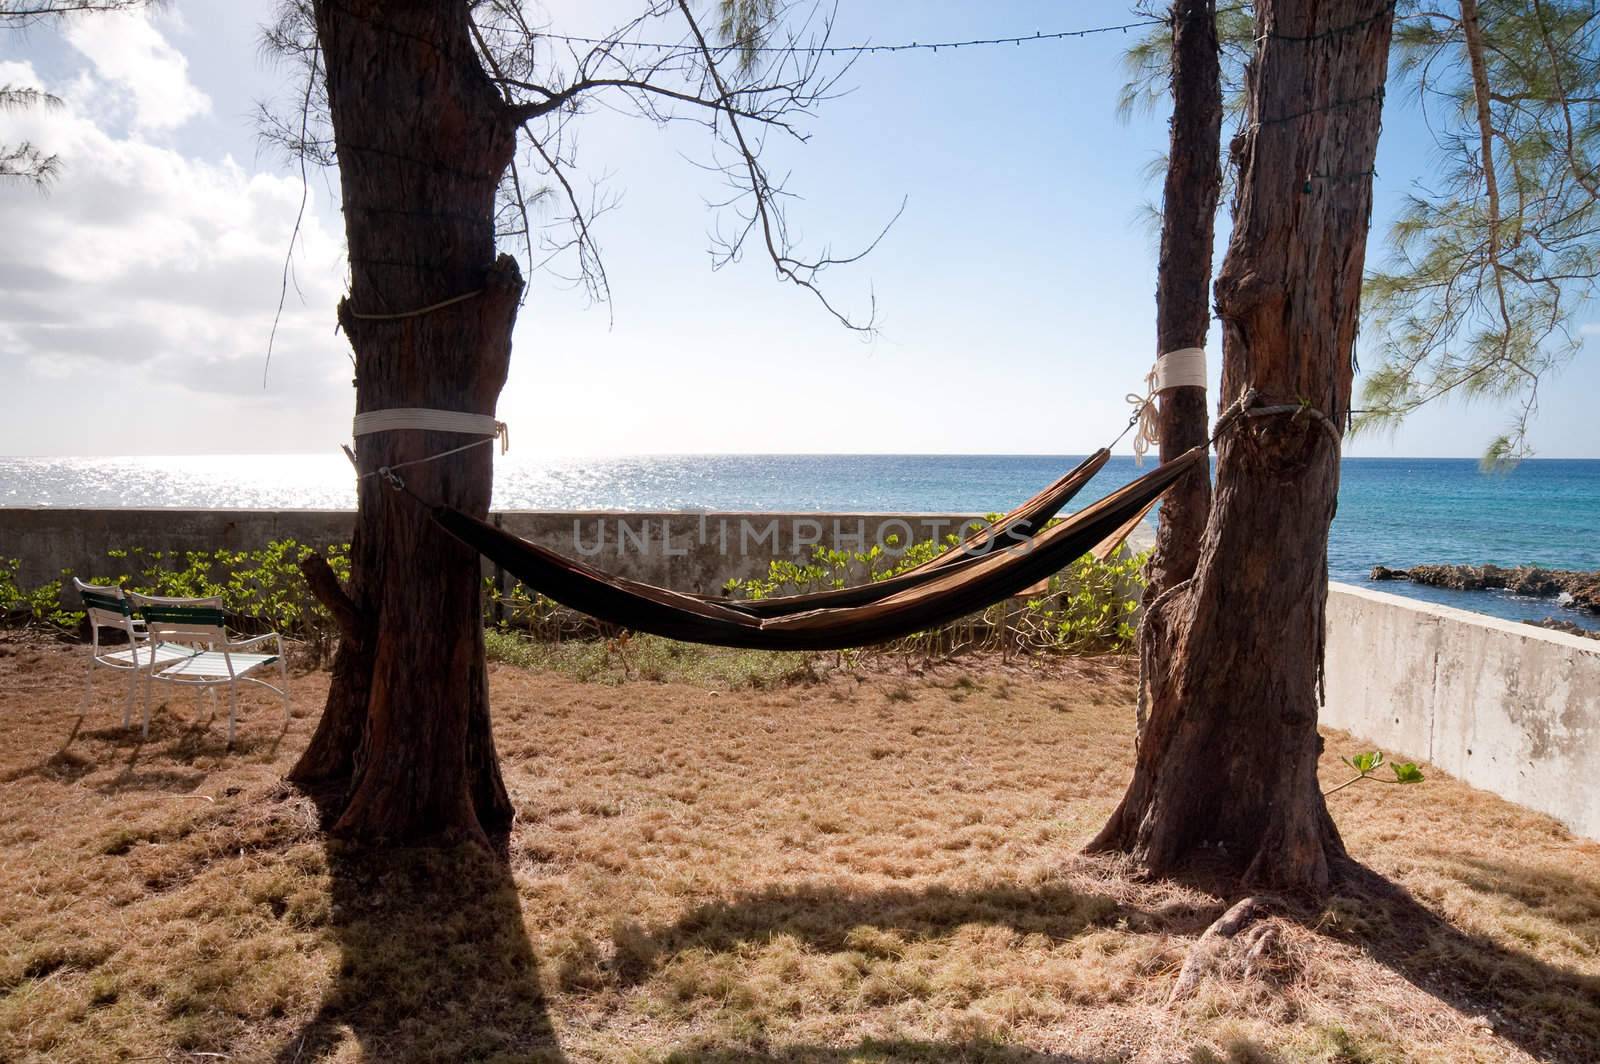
[(1565, 626), (1576, 589)]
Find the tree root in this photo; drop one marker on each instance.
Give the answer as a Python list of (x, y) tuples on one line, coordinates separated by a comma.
[(1214, 945)]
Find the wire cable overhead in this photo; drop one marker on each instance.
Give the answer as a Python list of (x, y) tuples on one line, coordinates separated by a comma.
[(872, 49)]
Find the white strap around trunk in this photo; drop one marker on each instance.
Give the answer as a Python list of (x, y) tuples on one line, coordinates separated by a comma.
[(1183, 368), (427, 420)]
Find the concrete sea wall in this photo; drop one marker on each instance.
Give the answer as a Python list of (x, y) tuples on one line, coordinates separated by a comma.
[(1507, 707), (686, 551)]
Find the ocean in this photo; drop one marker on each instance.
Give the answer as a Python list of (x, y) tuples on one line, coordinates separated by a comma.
[(1392, 511)]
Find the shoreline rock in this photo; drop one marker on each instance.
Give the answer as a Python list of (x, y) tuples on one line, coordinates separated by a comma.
[(1557, 625), (1580, 590)]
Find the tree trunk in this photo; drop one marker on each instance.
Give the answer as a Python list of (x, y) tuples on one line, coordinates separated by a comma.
[(1183, 311), (1229, 757), (422, 139)]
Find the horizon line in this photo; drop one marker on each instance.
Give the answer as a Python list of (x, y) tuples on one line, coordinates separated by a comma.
[(616, 455)]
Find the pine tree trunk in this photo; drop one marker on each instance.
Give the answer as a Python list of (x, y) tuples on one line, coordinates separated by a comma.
[(422, 140), (1183, 310), (1228, 765)]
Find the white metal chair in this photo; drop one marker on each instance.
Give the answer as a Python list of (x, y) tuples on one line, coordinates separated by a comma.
[(223, 660), (108, 608)]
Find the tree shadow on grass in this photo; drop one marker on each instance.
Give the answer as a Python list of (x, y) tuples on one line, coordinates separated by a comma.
[(1557, 895), (887, 1051), (434, 965), (1551, 1013), (825, 915)]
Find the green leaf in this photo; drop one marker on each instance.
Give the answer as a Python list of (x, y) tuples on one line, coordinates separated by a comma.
[(1407, 772)]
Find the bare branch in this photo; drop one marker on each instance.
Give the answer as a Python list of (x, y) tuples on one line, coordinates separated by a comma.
[(773, 233), (299, 218), (773, 81)]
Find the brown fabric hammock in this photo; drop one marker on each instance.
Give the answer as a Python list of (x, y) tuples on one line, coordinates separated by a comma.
[(1008, 531), (954, 593)]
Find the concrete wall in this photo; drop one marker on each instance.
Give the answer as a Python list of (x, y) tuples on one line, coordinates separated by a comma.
[(696, 552), (47, 540), (1505, 706)]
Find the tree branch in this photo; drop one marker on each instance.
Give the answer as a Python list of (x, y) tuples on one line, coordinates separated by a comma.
[(325, 589), (793, 270)]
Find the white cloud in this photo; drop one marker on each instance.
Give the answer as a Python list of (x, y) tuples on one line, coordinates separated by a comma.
[(130, 53), (142, 264)]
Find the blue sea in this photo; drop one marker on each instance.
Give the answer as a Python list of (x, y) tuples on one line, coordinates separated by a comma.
[(1392, 511)]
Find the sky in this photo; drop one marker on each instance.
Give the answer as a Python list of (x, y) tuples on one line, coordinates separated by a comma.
[(1015, 294)]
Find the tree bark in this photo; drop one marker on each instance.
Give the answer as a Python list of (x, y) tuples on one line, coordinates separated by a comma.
[(1229, 758), (422, 139), (1183, 312)]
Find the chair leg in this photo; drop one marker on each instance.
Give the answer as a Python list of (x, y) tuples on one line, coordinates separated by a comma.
[(149, 682), (283, 682), (127, 705)]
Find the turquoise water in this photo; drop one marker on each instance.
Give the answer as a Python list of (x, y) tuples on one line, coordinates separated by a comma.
[(1392, 511), (1400, 512)]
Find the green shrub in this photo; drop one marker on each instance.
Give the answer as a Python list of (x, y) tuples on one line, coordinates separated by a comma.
[(261, 589), (538, 617), (829, 568), (38, 605), (1088, 607)]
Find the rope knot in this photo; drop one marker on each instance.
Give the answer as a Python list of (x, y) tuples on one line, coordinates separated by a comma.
[(1182, 368), (1146, 415)]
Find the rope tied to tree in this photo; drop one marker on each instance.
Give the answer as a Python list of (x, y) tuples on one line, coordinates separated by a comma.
[(425, 420), (1182, 368), (420, 311), (1245, 407)]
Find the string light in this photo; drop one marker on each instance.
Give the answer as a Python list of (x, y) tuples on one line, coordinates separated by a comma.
[(1334, 179), (1336, 105), (1036, 37), (873, 49)]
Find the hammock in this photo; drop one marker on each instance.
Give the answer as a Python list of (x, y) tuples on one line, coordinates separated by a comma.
[(955, 592), (1008, 531)]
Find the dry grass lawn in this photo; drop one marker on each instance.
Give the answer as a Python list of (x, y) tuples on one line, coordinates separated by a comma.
[(875, 865)]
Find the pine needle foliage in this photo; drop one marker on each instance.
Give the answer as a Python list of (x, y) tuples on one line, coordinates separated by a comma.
[(1492, 259), (1496, 252), (25, 161)]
